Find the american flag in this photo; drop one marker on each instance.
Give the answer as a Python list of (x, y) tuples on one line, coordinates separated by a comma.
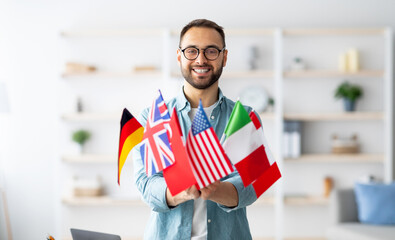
[(155, 147), (209, 161)]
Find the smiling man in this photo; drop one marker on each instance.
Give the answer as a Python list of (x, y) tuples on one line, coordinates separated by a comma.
[(217, 211)]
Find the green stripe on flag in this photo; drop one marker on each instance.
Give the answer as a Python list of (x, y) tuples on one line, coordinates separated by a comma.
[(238, 119)]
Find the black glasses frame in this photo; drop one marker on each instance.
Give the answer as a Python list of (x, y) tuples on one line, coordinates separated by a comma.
[(204, 52)]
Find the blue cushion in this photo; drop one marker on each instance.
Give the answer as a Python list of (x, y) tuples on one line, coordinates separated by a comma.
[(376, 203)]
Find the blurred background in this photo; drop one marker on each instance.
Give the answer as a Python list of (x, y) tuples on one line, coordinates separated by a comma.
[(68, 68)]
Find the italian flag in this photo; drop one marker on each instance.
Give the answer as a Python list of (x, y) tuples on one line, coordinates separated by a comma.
[(247, 148)]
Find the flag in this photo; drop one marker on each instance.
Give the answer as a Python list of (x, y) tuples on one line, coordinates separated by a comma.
[(130, 135), (243, 145), (209, 161), (178, 176), (272, 174), (246, 146), (155, 147)]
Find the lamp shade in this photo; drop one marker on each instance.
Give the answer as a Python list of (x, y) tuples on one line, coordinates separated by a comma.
[(4, 107)]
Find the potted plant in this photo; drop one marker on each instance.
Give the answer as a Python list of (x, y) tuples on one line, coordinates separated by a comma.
[(349, 93), (80, 137)]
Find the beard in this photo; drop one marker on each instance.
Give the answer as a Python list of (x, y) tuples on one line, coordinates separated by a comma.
[(186, 73)]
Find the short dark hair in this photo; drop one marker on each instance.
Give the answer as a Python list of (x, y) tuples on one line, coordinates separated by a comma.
[(203, 23)]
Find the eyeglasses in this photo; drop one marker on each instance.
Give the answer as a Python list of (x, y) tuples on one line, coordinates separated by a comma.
[(210, 53)]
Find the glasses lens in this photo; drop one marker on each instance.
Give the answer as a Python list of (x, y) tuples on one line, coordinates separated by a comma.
[(211, 53), (191, 53)]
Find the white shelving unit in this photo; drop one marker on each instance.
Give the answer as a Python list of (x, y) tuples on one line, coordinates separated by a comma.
[(279, 78)]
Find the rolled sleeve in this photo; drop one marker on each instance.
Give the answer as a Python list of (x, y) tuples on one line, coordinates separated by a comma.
[(246, 195), (153, 188)]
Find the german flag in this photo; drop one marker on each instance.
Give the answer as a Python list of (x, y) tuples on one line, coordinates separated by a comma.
[(131, 134)]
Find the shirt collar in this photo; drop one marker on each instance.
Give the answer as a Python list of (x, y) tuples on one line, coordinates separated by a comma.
[(183, 103)]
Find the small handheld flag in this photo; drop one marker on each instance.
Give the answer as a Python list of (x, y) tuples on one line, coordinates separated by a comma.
[(178, 176), (209, 161), (155, 149), (272, 174), (130, 135), (247, 148)]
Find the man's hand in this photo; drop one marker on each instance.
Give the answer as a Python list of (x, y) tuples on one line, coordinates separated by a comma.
[(186, 195), (210, 190), (221, 192)]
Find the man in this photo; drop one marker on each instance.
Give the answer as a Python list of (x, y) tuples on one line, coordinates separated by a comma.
[(217, 211)]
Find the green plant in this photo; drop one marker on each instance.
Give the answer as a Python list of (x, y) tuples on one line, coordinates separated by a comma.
[(271, 101), (348, 91), (81, 136)]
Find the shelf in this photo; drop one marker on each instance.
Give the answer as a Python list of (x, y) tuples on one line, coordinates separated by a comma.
[(265, 201), (249, 32), (103, 74), (267, 116), (90, 158), (88, 117), (306, 200), (335, 116), (101, 201), (239, 74), (333, 31), (337, 158), (334, 74), (113, 33)]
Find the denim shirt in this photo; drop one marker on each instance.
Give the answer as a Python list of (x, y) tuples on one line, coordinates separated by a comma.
[(167, 223)]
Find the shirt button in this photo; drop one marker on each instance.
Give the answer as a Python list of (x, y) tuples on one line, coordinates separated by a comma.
[(209, 220), (212, 117)]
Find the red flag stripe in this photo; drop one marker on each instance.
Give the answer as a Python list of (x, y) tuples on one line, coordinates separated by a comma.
[(207, 157), (255, 120), (216, 157), (196, 163), (127, 129), (254, 165), (266, 180), (202, 160), (202, 178), (224, 159)]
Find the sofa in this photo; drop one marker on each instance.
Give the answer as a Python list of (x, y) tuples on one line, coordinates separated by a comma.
[(346, 225)]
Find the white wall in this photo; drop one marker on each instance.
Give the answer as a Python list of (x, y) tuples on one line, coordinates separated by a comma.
[(31, 65)]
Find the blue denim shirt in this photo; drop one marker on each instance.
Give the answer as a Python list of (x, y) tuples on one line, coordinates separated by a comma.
[(167, 223)]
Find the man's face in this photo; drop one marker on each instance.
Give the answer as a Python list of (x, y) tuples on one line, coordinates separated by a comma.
[(202, 73)]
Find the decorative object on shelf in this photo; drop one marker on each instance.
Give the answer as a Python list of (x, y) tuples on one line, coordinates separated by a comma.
[(349, 93), (80, 137), (79, 68), (292, 139), (253, 58), (349, 61), (145, 68), (367, 178), (345, 145), (255, 97), (87, 187), (353, 60), (49, 237), (298, 64), (80, 107), (343, 62), (270, 106), (328, 186)]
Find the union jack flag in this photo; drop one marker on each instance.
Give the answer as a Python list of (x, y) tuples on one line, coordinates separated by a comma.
[(155, 147), (209, 161)]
